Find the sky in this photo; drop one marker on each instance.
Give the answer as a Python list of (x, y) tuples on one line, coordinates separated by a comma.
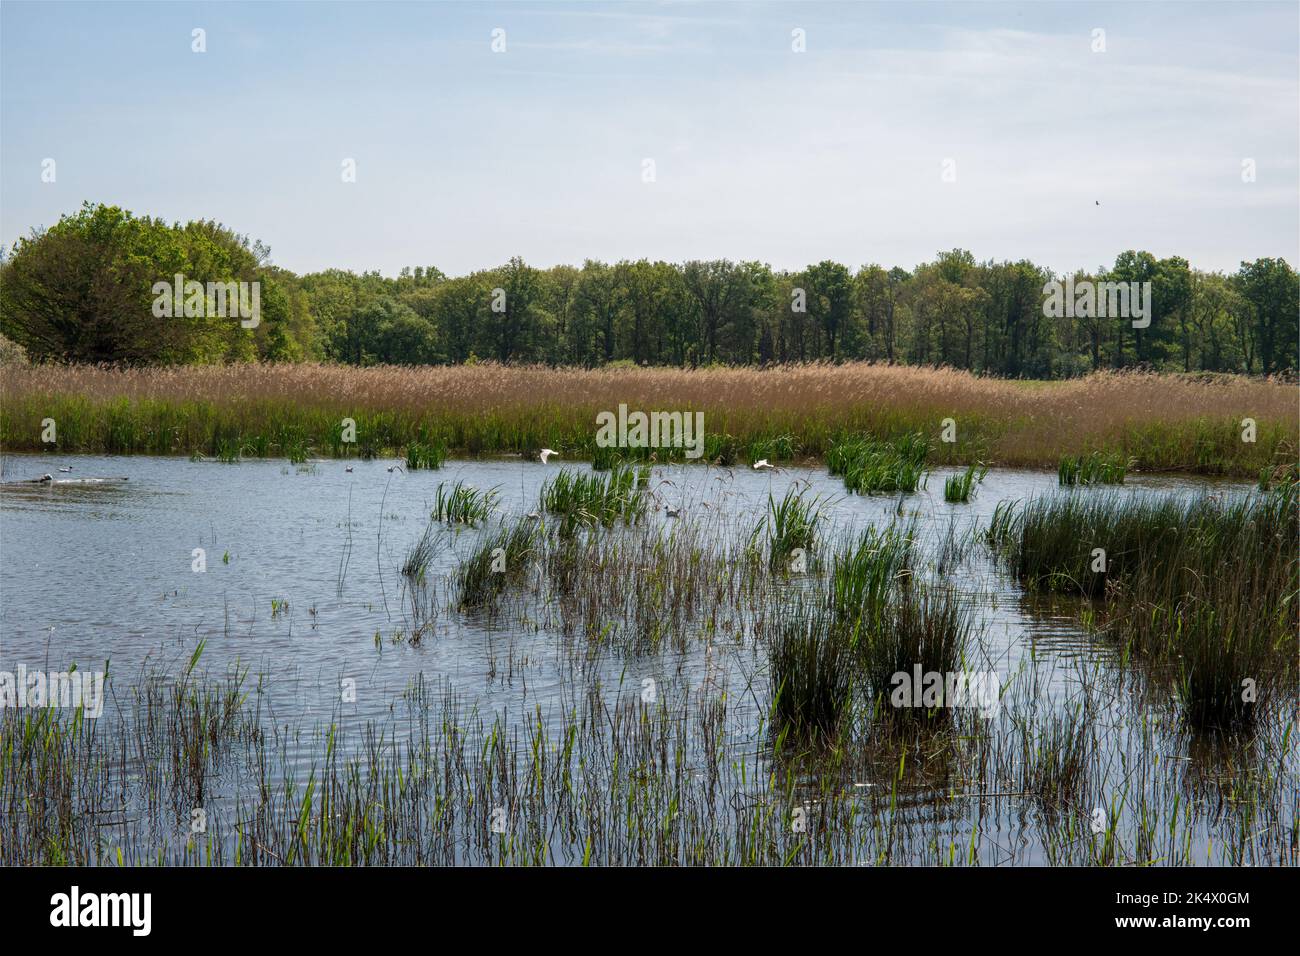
[(900, 130)]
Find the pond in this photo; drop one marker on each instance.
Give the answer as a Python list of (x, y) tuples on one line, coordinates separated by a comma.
[(291, 574)]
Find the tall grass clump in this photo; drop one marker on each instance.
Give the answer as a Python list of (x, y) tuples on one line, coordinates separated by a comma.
[(1093, 469), (773, 448), (502, 558), (605, 457), (420, 454), (869, 466), (791, 525), (463, 504), (810, 670), (1150, 543), (865, 572), (922, 627), (1279, 475), (958, 487), (594, 499), (1054, 759), (1231, 666), (1206, 589)]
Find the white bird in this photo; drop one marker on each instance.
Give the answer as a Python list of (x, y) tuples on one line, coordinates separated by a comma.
[(46, 477), (547, 453), (396, 468), (670, 512), (762, 463), (532, 516), (348, 468), (66, 470)]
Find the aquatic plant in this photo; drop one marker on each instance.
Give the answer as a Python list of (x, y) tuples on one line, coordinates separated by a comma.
[(501, 558), (920, 627), (463, 504), (791, 525), (425, 455), (1093, 469), (958, 487), (810, 672), (865, 571), (420, 557), (869, 466), (589, 498)]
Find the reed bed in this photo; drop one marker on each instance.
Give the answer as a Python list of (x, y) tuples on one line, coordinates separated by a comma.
[(1162, 422), (869, 466), (1206, 588)]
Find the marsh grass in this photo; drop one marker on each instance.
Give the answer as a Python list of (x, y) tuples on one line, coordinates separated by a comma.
[(420, 558), (503, 557), (463, 504), (865, 571), (791, 526), (1092, 469), (1164, 422), (921, 626), (957, 488), (578, 498), (869, 466), (811, 673), (428, 455), (1205, 589), (773, 448), (1055, 756)]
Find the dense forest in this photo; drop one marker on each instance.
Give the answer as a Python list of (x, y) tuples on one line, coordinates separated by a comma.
[(81, 291)]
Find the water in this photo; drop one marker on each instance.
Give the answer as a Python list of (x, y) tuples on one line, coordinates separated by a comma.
[(302, 585)]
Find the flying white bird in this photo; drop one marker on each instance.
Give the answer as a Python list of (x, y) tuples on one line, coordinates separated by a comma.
[(547, 453), (761, 463)]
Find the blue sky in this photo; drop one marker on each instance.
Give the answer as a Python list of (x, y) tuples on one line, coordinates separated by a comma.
[(465, 157)]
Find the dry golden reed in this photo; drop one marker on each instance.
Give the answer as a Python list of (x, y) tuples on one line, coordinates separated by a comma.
[(1163, 421)]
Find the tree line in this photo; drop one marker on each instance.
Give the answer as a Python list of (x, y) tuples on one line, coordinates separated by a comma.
[(82, 291)]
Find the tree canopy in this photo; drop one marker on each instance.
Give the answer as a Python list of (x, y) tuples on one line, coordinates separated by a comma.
[(81, 291)]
